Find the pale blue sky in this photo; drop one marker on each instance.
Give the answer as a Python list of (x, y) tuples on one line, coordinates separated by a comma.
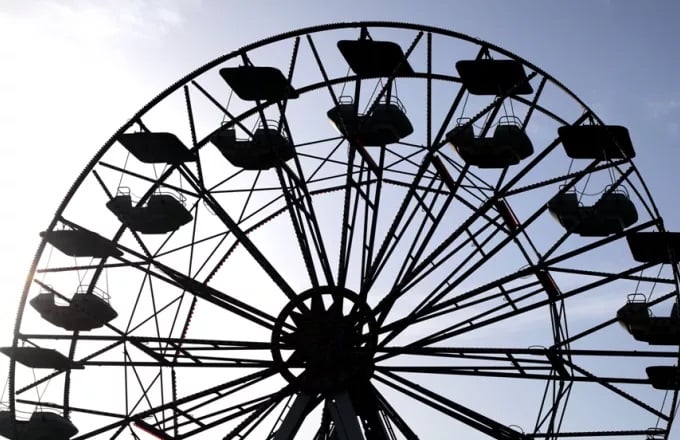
[(72, 72)]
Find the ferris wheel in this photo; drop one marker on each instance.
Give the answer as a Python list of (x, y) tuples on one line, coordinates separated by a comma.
[(365, 230)]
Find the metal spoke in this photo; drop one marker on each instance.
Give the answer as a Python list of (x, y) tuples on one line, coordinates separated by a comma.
[(295, 413), (239, 234), (222, 389), (208, 293), (450, 332), (431, 305), (446, 406), (394, 416)]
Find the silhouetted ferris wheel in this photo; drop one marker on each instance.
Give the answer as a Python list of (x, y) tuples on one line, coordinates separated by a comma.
[(353, 231)]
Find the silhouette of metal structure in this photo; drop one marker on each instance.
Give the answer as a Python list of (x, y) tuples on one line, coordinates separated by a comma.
[(353, 231)]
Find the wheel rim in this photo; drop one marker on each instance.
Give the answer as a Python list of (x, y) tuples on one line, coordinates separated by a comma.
[(283, 228)]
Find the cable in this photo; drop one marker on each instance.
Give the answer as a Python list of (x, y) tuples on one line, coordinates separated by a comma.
[(2, 396), (120, 181), (654, 284), (344, 83), (47, 264), (370, 98)]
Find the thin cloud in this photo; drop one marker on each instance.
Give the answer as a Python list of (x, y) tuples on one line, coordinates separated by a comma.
[(658, 109), (97, 22)]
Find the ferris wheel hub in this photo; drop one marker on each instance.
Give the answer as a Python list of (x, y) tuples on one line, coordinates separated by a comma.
[(324, 340)]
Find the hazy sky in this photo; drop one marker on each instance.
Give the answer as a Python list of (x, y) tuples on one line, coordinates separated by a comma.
[(72, 72)]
